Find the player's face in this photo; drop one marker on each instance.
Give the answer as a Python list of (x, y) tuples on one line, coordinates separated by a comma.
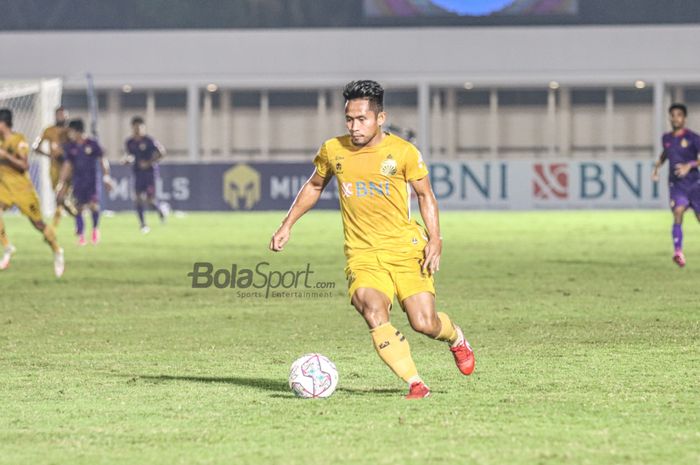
[(138, 129), (677, 119), (73, 135), (61, 117), (362, 122)]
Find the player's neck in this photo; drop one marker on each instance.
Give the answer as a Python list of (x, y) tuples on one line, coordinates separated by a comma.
[(6, 133), (376, 140), (679, 131)]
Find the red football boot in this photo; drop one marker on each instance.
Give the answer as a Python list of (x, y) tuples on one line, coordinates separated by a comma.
[(463, 354), (418, 390)]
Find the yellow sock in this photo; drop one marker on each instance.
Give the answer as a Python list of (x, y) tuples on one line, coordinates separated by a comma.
[(50, 237), (4, 241), (448, 332), (393, 348)]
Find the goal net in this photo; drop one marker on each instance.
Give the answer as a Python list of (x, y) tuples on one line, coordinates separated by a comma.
[(33, 104)]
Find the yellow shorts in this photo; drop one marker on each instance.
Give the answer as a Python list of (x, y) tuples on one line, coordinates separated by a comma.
[(23, 195), (390, 273)]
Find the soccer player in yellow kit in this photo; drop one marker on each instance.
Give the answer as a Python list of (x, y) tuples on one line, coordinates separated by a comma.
[(387, 252), (51, 144), (17, 189)]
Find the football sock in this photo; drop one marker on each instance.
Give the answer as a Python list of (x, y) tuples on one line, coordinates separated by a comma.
[(50, 237), (677, 233), (4, 241), (394, 350), (79, 224), (95, 219), (448, 332), (139, 211)]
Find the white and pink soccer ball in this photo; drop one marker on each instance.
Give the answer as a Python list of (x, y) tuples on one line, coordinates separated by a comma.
[(312, 376)]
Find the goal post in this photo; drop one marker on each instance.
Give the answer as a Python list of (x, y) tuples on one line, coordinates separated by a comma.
[(33, 103)]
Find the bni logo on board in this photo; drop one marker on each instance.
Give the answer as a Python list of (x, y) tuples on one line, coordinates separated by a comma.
[(550, 181)]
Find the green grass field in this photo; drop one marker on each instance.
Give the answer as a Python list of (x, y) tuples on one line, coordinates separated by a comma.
[(587, 340)]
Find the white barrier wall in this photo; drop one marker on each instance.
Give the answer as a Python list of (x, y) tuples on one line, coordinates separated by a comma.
[(546, 184)]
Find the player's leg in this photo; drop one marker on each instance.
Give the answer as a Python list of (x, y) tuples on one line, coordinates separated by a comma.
[(420, 309), (94, 207), (155, 204), (677, 233), (140, 204), (7, 248), (28, 204), (391, 346), (80, 223)]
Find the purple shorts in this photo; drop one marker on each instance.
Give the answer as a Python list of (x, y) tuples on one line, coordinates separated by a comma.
[(84, 195), (145, 183), (685, 196)]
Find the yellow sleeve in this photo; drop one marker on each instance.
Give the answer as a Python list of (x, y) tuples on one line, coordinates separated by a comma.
[(21, 147), (414, 165), (323, 166)]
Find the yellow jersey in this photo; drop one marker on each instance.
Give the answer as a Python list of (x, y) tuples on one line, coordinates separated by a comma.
[(56, 136), (374, 191), (16, 145)]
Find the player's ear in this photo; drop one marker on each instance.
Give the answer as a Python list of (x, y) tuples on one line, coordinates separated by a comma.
[(381, 118)]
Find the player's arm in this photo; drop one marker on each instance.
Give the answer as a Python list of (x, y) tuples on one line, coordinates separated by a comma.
[(305, 200), (106, 178), (64, 176), (160, 152), (657, 166), (19, 160), (431, 217)]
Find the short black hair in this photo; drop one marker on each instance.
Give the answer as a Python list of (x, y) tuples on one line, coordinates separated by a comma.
[(77, 125), (6, 116), (137, 120), (679, 106), (370, 90)]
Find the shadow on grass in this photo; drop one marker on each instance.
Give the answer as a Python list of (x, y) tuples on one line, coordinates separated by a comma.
[(262, 384)]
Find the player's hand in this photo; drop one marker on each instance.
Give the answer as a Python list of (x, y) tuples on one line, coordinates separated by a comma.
[(108, 182), (655, 174), (683, 169), (432, 252), (279, 238)]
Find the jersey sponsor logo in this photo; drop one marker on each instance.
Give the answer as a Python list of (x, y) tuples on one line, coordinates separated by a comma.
[(88, 150), (551, 181), (389, 166), (365, 188), (338, 168), (242, 187), (142, 146), (684, 143)]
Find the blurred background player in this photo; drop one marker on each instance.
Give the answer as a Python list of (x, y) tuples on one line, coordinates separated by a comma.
[(681, 147), (83, 159), (51, 144), (144, 153), (16, 188), (387, 253)]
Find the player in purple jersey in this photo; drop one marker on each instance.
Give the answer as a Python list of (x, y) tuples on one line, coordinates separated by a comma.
[(681, 147), (83, 158), (144, 153)]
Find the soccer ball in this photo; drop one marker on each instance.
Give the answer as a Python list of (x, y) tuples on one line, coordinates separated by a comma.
[(313, 375)]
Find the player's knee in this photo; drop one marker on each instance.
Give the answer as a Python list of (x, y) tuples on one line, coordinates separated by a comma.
[(426, 324), (374, 313)]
